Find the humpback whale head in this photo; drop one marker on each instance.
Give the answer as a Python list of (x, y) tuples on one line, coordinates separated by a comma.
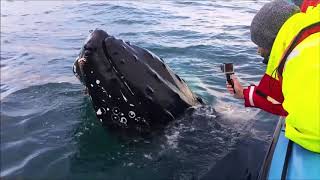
[(129, 86)]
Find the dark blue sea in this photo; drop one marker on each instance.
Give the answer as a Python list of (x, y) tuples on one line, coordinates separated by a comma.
[(48, 126)]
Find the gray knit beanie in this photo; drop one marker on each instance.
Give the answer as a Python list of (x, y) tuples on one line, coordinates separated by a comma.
[(268, 21)]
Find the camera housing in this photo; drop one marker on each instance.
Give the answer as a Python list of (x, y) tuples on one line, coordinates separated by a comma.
[(227, 68)]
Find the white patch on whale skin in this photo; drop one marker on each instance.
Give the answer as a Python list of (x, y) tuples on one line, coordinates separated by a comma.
[(138, 119), (91, 85), (123, 120), (82, 60), (109, 96), (103, 90), (99, 112), (116, 110), (100, 120), (124, 47), (124, 98), (115, 70), (125, 83), (135, 57), (132, 114), (108, 109), (98, 81), (114, 117), (131, 105), (91, 72), (74, 69)]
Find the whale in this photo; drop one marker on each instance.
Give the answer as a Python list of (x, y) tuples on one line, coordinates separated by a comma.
[(130, 87)]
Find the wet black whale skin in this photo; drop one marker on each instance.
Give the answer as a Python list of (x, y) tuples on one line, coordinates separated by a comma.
[(130, 87)]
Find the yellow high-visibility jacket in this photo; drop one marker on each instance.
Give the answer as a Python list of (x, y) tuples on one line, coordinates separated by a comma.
[(300, 76)]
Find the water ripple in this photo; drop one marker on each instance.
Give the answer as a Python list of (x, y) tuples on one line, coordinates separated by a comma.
[(25, 161)]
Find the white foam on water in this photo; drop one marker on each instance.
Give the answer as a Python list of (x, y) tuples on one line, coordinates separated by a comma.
[(172, 140), (148, 156)]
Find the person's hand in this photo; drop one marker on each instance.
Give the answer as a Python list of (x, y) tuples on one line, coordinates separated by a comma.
[(237, 87)]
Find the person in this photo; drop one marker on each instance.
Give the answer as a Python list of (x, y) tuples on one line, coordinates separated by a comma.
[(289, 42)]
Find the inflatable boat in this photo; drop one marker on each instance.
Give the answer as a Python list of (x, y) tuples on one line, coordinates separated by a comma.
[(287, 160)]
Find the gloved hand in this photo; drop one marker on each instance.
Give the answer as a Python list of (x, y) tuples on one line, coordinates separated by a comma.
[(237, 87)]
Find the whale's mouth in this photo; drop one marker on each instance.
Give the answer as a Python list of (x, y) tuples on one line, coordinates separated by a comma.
[(81, 62), (78, 69)]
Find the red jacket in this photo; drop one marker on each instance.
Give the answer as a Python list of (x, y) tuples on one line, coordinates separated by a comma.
[(267, 96)]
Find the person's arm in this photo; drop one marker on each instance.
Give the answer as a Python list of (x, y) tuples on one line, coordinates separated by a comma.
[(255, 98)]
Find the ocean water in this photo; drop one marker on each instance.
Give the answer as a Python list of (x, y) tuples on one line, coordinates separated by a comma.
[(48, 126)]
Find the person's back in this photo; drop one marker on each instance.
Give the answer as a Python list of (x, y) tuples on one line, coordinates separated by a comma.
[(301, 80)]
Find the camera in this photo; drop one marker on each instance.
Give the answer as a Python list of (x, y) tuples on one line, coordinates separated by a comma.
[(227, 69)]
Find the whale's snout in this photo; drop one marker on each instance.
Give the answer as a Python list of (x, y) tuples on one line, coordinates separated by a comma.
[(85, 62)]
